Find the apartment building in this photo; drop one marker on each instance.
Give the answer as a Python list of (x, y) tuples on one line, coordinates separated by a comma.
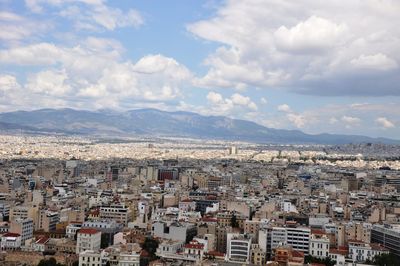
[(238, 248), (88, 239), (118, 213)]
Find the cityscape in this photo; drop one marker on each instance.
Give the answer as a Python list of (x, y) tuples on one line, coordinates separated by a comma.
[(209, 133), (177, 201)]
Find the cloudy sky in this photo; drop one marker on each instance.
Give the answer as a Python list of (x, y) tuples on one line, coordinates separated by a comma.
[(318, 66)]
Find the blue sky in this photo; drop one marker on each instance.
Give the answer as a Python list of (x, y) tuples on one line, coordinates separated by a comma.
[(331, 67)]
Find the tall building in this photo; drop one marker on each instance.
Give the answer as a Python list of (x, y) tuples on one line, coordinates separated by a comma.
[(233, 150), (48, 220), (238, 248), (23, 227), (388, 235), (296, 237)]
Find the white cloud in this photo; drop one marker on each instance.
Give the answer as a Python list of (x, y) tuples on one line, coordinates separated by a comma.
[(263, 100), (384, 122), (35, 54), (306, 47), (93, 15), (310, 36), (232, 105), (8, 83), (112, 18), (376, 62), (94, 70), (333, 120), (350, 121), (284, 108), (15, 28), (51, 82), (244, 101), (214, 97), (298, 120)]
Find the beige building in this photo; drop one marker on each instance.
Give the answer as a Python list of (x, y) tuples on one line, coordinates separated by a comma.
[(258, 256), (359, 232), (88, 239), (25, 212), (252, 227), (118, 213), (225, 219), (48, 220)]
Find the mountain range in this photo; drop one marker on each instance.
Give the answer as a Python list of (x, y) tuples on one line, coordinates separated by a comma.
[(156, 123)]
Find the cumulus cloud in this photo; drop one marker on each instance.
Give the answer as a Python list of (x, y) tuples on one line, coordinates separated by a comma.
[(284, 108), (308, 47), (310, 36), (94, 70), (52, 82), (214, 97), (15, 28), (231, 105), (384, 122), (375, 62), (350, 121), (8, 83)]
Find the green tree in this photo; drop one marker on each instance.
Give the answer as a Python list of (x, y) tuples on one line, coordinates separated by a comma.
[(385, 260), (326, 261), (150, 245), (49, 262)]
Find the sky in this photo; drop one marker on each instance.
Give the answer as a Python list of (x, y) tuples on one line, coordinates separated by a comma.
[(318, 66)]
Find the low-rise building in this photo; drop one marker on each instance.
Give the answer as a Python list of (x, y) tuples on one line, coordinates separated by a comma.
[(10, 241), (360, 251)]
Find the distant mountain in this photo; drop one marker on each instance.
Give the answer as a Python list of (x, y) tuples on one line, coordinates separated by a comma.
[(152, 122)]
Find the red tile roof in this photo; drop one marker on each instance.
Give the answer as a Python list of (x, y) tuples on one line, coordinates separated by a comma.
[(88, 231), (11, 235), (216, 253), (42, 240), (209, 219), (298, 254), (196, 246), (317, 232), (343, 252)]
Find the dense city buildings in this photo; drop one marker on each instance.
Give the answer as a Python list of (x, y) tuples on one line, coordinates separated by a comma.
[(87, 202)]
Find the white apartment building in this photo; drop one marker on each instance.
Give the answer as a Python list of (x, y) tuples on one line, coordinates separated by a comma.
[(10, 241), (319, 245), (296, 237), (360, 251), (4, 210), (90, 258), (128, 259), (238, 248), (72, 229), (88, 239)]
